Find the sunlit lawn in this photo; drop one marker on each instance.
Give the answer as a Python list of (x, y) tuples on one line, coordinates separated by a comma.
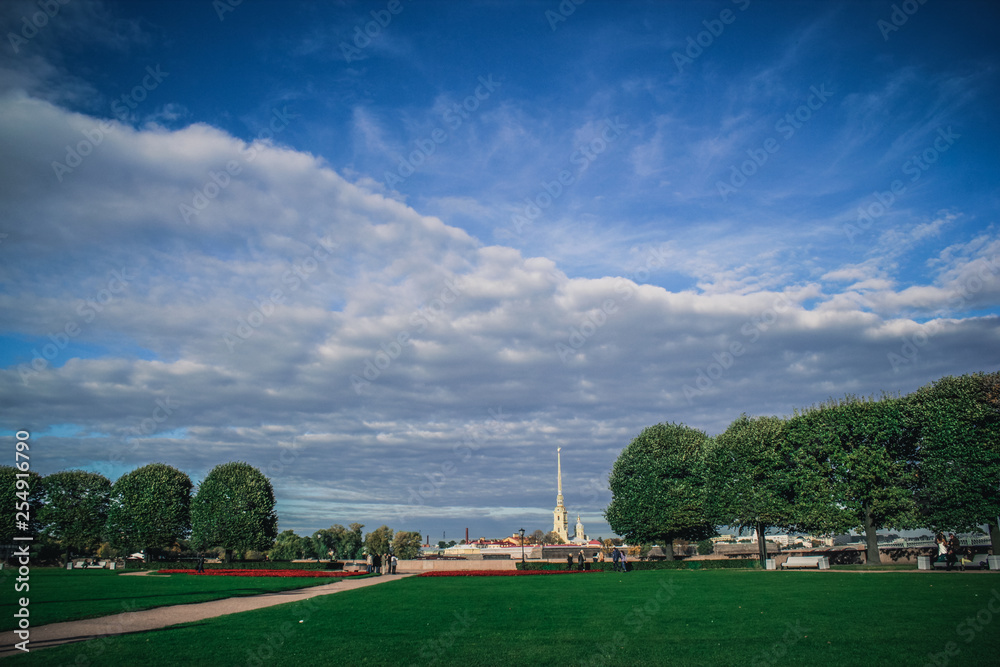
[(651, 618), (63, 595)]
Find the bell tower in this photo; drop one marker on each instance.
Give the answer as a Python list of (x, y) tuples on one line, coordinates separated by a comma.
[(560, 521)]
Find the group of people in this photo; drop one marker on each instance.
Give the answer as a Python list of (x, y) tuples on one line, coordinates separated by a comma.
[(381, 563), (618, 556), (950, 550), (581, 560)]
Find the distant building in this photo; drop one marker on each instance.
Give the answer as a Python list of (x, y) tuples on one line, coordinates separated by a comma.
[(560, 517)]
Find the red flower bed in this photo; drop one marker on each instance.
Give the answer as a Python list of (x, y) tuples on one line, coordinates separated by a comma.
[(498, 573), (263, 573)]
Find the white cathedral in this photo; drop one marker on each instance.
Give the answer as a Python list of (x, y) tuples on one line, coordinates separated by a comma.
[(560, 520)]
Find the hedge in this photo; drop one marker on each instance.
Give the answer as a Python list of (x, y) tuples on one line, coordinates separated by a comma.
[(236, 565), (607, 566)]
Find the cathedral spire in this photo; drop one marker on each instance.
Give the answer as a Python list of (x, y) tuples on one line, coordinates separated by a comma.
[(560, 522)]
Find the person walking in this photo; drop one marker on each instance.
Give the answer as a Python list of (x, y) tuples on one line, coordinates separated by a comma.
[(201, 564)]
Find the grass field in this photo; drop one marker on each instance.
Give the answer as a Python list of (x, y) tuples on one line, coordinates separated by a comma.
[(66, 595), (652, 618)]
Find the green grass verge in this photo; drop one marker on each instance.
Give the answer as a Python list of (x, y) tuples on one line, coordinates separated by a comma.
[(722, 617), (65, 595)]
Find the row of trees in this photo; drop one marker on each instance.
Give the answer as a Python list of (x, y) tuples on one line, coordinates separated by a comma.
[(341, 543), (930, 459), (150, 508)]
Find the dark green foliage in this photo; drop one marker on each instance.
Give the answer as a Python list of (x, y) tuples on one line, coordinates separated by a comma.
[(234, 509), (378, 541), (12, 495), (958, 419), (747, 479), (406, 544), (343, 543), (706, 547), (656, 487), (853, 465), (287, 546), (149, 508), (76, 509)]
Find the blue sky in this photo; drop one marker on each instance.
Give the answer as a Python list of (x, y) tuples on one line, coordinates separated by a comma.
[(397, 270)]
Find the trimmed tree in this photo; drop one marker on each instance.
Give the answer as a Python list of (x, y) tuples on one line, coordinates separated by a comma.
[(746, 483), (149, 508), (76, 509), (656, 487), (406, 544), (234, 509), (21, 496), (958, 419), (853, 465)]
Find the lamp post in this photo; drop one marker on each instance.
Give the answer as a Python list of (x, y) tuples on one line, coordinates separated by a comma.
[(521, 531)]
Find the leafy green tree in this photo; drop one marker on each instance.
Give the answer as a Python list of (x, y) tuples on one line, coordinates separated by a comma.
[(853, 465), (406, 544), (746, 477), (656, 487), (958, 419), (149, 508), (706, 547), (234, 509), (75, 509), (14, 492), (312, 549), (378, 541), (326, 542), (535, 538), (552, 537), (352, 545), (287, 546)]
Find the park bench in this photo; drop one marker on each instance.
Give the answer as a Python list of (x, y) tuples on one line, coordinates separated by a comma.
[(979, 562), (821, 562)]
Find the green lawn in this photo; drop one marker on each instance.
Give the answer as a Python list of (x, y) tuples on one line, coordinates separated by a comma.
[(65, 595), (656, 618)]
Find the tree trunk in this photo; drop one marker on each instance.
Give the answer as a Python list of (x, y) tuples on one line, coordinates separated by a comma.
[(995, 536), (229, 555), (669, 550), (871, 538), (761, 545)]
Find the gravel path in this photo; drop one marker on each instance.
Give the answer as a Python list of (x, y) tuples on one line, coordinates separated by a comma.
[(55, 634)]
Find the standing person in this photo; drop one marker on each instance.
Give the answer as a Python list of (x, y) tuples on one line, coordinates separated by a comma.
[(579, 560), (369, 562), (954, 547), (201, 563), (615, 556), (394, 562), (624, 561), (569, 561)]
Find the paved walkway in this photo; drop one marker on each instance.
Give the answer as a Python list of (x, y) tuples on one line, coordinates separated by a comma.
[(68, 632)]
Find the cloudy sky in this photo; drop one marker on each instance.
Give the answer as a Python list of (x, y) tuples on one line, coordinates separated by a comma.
[(396, 253)]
